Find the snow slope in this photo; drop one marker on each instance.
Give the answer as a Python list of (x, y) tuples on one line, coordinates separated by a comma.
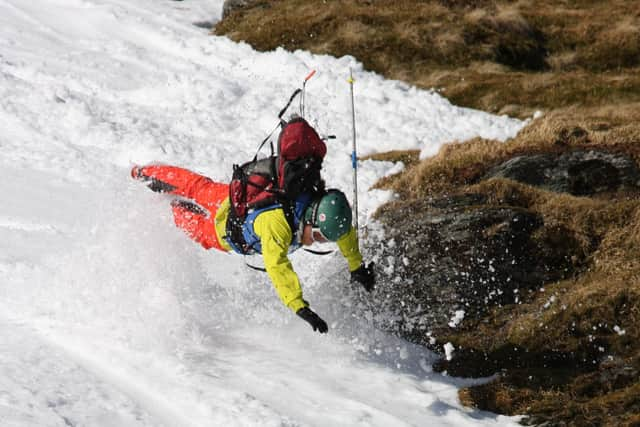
[(109, 316)]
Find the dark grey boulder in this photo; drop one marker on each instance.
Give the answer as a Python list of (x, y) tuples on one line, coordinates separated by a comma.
[(581, 172), (460, 254)]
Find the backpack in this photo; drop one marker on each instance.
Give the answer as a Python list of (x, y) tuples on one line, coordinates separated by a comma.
[(276, 180)]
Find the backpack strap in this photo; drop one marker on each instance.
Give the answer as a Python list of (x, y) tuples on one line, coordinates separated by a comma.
[(280, 124), (253, 267), (264, 270), (264, 141), (295, 93), (311, 251), (233, 235)]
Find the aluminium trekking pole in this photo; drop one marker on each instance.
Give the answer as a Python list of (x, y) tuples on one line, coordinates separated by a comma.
[(354, 156)]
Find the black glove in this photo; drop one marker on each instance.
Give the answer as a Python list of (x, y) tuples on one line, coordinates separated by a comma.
[(313, 319), (365, 276)]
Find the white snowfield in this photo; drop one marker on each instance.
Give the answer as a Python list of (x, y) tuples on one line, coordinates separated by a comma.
[(109, 315)]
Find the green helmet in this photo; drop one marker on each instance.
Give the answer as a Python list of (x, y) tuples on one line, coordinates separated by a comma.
[(331, 214)]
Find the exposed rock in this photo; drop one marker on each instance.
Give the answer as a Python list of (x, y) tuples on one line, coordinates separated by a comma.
[(460, 253), (477, 256), (580, 173)]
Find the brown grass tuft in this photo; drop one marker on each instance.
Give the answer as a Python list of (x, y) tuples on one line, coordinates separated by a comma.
[(505, 37), (454, 165), (614, 48)]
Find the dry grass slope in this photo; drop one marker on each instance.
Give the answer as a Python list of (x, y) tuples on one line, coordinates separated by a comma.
[(501, 56)]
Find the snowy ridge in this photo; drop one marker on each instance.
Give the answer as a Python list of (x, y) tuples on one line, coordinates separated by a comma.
[(110, 316)]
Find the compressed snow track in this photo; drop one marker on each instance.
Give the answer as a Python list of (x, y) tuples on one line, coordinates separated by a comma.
[(109, 316)]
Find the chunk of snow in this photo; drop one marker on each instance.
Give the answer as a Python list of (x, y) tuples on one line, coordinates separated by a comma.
[(457, 318), (448, 350), (619, 330)]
